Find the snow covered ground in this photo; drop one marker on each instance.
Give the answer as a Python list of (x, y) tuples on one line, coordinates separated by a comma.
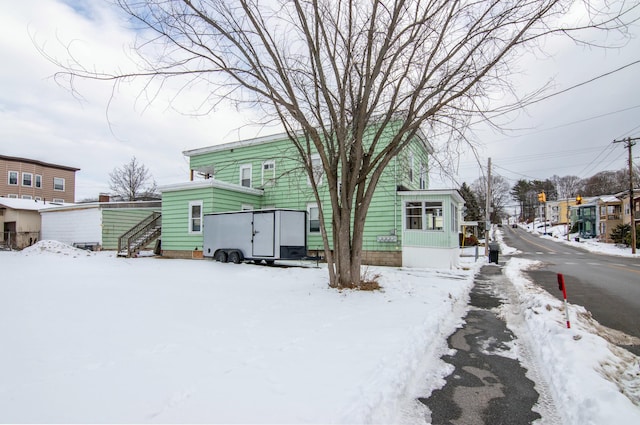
[(558, 233), (92, 338)]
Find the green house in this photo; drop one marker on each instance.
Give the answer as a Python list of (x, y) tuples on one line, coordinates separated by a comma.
[(407, 225)]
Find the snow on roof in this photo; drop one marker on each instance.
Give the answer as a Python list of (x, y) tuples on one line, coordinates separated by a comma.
[(27, 204), (609, 198)]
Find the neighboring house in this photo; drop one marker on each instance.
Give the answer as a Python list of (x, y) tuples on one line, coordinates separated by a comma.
[(404, 226), (558, 212), (585, 217), (96, 225), (25, 178), (20, 221), (626, 216), (609, 216)]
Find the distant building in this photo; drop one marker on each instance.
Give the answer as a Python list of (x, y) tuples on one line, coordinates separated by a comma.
[(23, 178)]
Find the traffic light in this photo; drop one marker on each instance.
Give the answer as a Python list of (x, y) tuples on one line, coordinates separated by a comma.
[(578, 200), (542, 197)]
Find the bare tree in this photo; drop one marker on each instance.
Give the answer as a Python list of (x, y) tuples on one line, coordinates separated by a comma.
[(500, 196), (132, 181), (338, 74), (567, 186)]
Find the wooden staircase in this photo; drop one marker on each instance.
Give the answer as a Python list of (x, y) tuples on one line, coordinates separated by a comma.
[(139, 236)]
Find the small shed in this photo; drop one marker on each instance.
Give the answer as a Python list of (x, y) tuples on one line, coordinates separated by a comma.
[(95, 225), (20, 221)]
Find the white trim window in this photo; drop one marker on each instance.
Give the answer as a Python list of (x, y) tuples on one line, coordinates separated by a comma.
[(313, 220), (195, 217), (454, 218), (316, 169), (411, 164), (38, 181), (28, 197), (58, 184), (245, 175), (27, 179), (268, 173), (12, 196), (12, 178), (423, 176), (57, 201), (424, 215)]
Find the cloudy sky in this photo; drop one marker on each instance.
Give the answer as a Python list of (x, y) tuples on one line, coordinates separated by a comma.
[(102, 126)]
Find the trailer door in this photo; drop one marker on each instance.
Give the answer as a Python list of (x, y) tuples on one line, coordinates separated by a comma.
[(263, 234)]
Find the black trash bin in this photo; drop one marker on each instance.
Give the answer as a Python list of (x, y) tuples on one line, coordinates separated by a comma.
[(494, 250)]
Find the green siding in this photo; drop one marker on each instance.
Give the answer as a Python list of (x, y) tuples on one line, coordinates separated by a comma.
[(117, 221), (175, 213), (383, 225)]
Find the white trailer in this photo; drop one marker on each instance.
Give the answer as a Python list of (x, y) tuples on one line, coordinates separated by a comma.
[(257, 235)]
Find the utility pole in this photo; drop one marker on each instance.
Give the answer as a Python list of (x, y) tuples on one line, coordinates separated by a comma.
[(629, 142), (487, 210)]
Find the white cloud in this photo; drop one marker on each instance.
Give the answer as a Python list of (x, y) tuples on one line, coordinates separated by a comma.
[(108, 125), (41, 120)]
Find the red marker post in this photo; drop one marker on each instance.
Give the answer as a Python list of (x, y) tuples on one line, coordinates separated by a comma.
[(563, 288)]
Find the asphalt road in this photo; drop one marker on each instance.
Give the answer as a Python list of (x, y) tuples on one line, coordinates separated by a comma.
[(607, 286)]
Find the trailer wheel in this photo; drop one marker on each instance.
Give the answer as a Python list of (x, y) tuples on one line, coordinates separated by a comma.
[(235, 257), (269, 262), (221, 256)]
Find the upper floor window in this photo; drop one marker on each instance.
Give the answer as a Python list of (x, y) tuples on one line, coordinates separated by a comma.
[(195, 217), (27, 179), (411, 167), (268, 173), (245, 175), (13, 178), (423, 176), (38, 181), (317, 170), (58, 184)]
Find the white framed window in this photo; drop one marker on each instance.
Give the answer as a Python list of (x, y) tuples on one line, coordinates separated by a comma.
[(38, 198), (454, 217), (413, 214), (12, 196), (313, 214), (195, 217), (57, 201), (27, 197), (12, 178), (27, 179), (245, 175), (268, 173), (58, 184), (424, 215), (411, 164), (38, 181), (316, 169)]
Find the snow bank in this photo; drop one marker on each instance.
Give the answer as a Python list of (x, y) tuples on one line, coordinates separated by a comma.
[(49, 247), (94, 338), (592, 380)]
